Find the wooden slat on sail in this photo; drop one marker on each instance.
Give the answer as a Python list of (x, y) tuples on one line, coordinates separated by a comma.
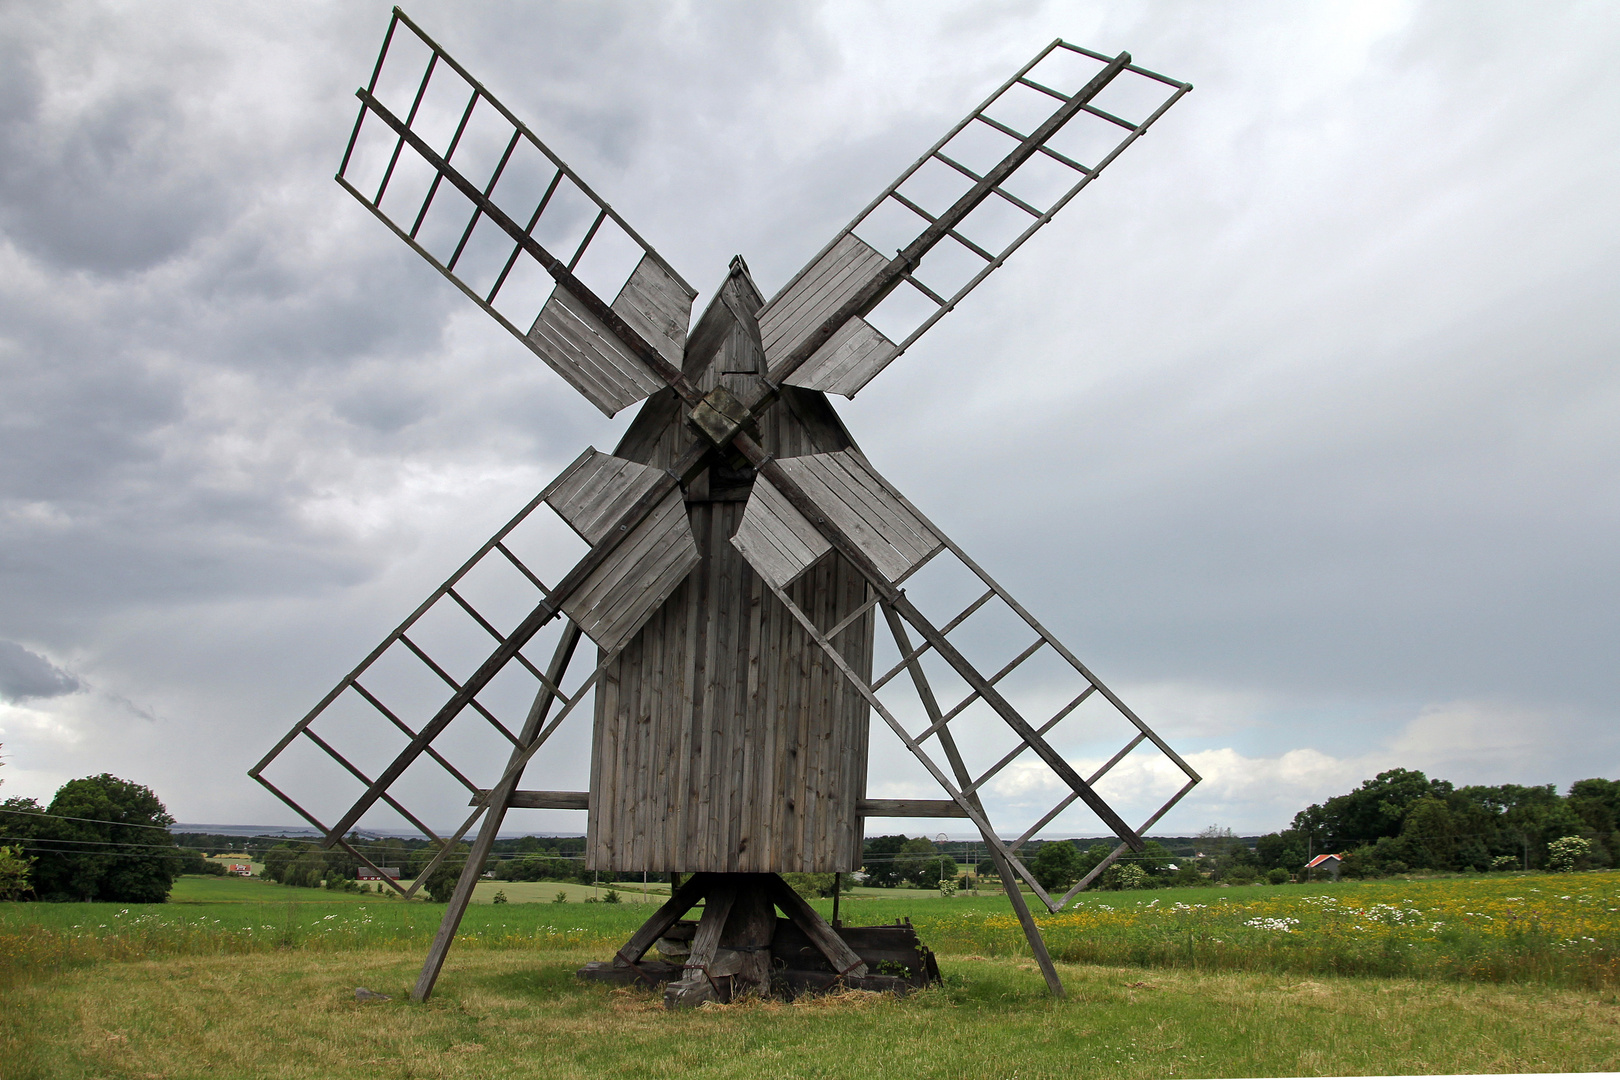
[(820, 289), (780, 544), (658, 306), (848, 361), (586, 353), (593, 493), (776, 539), (637, 577)]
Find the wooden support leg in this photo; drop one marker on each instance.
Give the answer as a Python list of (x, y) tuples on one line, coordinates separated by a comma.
[(679, 903), (493, 817), (837, 951), (697, 986), (1037, 944), (746, 943)]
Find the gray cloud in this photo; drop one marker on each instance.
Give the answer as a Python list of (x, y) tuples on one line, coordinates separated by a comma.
[(26, 676), (1307, 406)]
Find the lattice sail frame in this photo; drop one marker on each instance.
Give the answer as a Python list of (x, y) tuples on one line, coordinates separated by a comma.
[(893, 524), (589, 488), (523, 180), (860, 350), (814, 334)]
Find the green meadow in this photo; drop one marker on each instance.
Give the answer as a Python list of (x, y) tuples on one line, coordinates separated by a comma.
[(236, 977)]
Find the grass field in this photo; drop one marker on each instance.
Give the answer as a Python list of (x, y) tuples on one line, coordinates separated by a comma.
[(246, 978)]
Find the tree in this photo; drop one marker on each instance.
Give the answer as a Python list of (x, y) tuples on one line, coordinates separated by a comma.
[(881, 854), (1565, 854), (105, 839), (922, 864), (1376, 808), (1431, 832), (1286, 850), (192, 861), (1597, 802), (1226, 855), (1154, 859), (1057, 865)]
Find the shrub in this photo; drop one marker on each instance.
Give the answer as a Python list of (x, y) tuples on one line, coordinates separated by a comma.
[(1278, 876), (561, 897), (499, 897), (612, 897), (14, 871), (1564, 854)]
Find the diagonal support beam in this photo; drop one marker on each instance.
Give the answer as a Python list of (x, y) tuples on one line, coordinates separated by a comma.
[(1009, 881), (499, 798)]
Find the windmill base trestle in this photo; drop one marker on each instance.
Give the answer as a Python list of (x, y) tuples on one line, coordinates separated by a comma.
[(740, 947)]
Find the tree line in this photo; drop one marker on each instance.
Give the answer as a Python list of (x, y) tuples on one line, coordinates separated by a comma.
[(108, 839), (1400, 820)]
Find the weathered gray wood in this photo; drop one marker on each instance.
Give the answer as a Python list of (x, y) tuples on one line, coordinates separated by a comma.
[(658, 306), (820, 289), (580, 349), (631, 583), (596, 489), (696, 986), (776, 539), (781, 543), (544, 800), (747, 937), (852, 357), (688, 893), (919, 808)]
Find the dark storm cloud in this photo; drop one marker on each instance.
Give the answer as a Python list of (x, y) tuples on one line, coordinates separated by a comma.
[(26, 676)]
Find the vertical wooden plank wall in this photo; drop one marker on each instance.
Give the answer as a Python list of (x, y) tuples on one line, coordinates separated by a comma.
[(724, 739)]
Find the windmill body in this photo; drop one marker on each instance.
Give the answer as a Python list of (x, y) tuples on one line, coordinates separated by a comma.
[(724, 740), (746, 564)]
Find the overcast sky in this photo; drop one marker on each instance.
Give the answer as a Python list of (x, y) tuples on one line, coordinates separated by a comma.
[(1301, 426)]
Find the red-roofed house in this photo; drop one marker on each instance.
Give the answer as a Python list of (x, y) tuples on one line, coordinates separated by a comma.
[(1330, 862)]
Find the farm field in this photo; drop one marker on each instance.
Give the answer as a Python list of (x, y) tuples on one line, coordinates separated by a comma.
[(1491, 974)]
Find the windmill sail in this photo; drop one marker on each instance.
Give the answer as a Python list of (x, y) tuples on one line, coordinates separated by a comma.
[(780, 543), (592, 495), (390, 715), (956, 215), (467, 185)]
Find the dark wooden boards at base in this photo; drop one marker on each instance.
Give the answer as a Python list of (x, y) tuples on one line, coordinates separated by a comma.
[(739, 947), (897, 962)]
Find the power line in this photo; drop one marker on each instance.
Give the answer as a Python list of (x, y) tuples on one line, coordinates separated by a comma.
[(92, 821)]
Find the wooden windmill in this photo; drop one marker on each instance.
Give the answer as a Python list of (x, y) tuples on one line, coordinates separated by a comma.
[(742, 550)]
